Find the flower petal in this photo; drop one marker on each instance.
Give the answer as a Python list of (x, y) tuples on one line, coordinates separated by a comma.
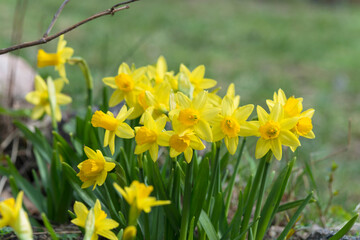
[(154, 149), (262, 147), (188, 153), (203, 130), (243, 113), (276, 148), (124, 131), (200, 100), (231, 144), (287, 138), (110, 81), (91, 154), (276, 113), (116, 98)]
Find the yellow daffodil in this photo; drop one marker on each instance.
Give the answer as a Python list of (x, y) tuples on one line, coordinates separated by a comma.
[(126, 85), (274, 131), (93, 171), (40, 98), (103, 225), (57, 59), (231, 123), (113, 126), (159, 72), (12, 214), (293, 108), (157, 100), (146, 137), (195, 114), (181, 140), (137, 195), (197, 79), (129, 233)]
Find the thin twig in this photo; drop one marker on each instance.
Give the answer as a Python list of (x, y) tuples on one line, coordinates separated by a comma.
[(55, 18), (43, 40)]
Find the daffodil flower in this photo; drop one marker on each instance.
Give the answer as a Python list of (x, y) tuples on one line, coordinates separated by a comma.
[(195, 114), (146, 137), (181, 140), (197, 79), (40, 98), (113, 126), (102, 224), (274, 131), (231, 123), (125, 85), (57, 59), (12, 214), (293, 108), (94, 170), (159, 72), (137, 195)]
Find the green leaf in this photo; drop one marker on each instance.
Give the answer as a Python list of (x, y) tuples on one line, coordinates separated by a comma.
[(294, 217), (345, 228), (15, 113), (85, 194), (294, 204), (200, 189), (191, 229), (49, 227), (206, 224)]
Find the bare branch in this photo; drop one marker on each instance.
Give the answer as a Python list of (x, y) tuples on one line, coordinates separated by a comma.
[(55, 18), (43, 40)]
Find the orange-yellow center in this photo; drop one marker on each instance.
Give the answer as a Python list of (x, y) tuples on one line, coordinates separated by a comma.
[(124, 82), (90, 168), (188, 117), (145, 135), (270, 130), (304, 126), (44, 97), (142, 100), (179, 143), (230, 127), (100, 119)]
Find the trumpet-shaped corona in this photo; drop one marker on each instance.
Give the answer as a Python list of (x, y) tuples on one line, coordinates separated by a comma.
[(113, 126), (93, 171)]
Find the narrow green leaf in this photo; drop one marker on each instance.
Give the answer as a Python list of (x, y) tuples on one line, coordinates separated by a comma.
[(49, 227), (294, 204), (200, 189), (294, 217), (85, 194), (191, 229), (345, 228), (206, 224)]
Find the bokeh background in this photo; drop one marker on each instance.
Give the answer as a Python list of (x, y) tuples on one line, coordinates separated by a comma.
[(310, 49)]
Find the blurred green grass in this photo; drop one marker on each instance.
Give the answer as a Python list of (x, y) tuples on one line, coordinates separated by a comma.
[(309, 50)]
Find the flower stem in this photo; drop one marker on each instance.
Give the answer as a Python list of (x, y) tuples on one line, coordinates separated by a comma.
[(52, 101), (268, 157), (186, 202), (88, 77)]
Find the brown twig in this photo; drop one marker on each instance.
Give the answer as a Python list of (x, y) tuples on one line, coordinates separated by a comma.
[(55, 18), (43, 40)]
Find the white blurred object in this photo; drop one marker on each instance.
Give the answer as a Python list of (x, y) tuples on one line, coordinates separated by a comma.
[(23, 76)]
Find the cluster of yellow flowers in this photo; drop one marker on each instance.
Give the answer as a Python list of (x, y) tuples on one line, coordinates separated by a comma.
[(196, 115), (157, 96)]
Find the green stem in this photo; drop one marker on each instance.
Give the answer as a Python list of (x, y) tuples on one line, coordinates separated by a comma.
[(251, 198), (232, 180), (87, 74), (261, 192), (52, 103), (186, 202), (215, 176), (142, 178)]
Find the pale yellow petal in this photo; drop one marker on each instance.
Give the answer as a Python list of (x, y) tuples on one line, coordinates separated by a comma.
[(182, 100), (203, 130), (188, 153), (112, 142), (174, 153), (122, 192), (109, 166), (249, 129), (231, 144), (37, 112), (196, 143), (110, 81), (62, 99), (308, 113), (227, 106), (116, 98), (262, 147), (154, 151), (91, 154), (124, 68), (207, 83), (40, 84), (288, 123), (33, 97), (163, 139), (262, 115), (124, 131), (276, 113), (106, 233), (200, 100), (243, 113), (198, 72), (276, 148), (310, 135), (287, 138), (142, 148)]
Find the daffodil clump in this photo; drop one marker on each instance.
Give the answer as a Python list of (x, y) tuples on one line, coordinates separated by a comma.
[(160, 141)]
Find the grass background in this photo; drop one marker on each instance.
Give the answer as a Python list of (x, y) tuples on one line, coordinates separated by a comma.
[(307, 49)]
